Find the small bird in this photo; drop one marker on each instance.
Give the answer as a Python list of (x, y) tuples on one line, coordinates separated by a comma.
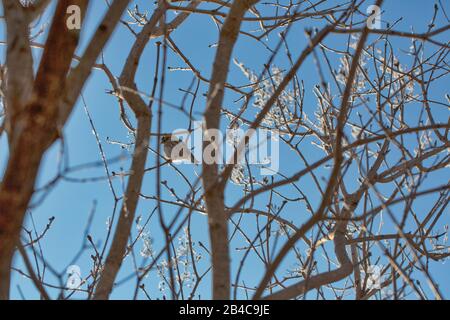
[(176, 150)]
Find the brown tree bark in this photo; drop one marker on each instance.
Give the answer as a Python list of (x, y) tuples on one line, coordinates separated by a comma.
[(214, 190), (33, 107)]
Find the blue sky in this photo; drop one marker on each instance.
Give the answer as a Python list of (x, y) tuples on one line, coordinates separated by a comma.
[(71, 203)]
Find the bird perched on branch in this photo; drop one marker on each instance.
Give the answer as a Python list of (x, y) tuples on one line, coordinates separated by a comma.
[(176, 150)]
